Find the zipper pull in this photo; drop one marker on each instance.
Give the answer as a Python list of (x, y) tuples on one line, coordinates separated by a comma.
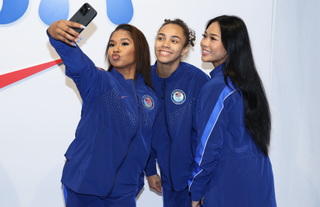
[(163, 92)]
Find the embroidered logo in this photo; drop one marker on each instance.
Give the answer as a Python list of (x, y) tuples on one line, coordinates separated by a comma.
[(147, 102), (178, 97)]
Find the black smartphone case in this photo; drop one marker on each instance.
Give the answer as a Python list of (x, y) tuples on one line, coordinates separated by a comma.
[(84, 16)]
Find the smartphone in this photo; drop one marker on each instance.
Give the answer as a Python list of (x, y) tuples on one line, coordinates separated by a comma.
[(84, 16)]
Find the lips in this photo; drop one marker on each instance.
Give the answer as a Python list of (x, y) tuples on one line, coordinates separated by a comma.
[(164, 53), (115, 57), (205, 52)]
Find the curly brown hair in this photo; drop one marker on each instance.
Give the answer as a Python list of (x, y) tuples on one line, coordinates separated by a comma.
[(188, 33)]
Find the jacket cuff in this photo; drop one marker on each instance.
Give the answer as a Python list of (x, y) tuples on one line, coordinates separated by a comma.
[(196, 196), (151, 170), (56, 43)]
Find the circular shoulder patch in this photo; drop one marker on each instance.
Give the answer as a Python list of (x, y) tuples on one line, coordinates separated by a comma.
[(178, 97), (147, 102)]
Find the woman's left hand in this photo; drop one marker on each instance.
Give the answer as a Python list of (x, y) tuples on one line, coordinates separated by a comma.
[(61, 30)]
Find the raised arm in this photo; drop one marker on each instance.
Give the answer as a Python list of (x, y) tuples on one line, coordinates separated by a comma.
[(79, 66)]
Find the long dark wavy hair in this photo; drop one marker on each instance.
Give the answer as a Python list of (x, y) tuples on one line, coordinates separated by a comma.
[(141, 52), (241, 69)]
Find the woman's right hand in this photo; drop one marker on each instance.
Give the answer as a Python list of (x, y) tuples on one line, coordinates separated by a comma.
[(61, 30), (195, 203), (154, 182)]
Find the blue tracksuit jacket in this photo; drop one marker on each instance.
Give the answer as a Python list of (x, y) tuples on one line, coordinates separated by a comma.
[(230, 168), (174, 139), (113, 138)]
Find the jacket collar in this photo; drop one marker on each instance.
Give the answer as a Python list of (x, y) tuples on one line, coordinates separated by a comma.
[(178, 72), (121, 78), (217, 70)]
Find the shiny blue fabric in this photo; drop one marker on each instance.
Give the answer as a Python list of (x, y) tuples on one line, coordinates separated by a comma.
[(113, 138), (84, 200), (174, 139), (231, 170), (176, 199)]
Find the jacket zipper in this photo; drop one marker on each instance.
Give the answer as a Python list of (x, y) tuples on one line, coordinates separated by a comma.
[(134, 136), (167, 126)]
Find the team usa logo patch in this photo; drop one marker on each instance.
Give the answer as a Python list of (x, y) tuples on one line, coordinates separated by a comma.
[(147, 102), (178, 97)]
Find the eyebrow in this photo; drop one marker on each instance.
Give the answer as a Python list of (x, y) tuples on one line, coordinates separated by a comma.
[(173, 36), (214, 35), (211, 34), (121, 39)]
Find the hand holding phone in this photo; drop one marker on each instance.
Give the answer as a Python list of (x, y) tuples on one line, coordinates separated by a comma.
[(83, 16), (67, 31)]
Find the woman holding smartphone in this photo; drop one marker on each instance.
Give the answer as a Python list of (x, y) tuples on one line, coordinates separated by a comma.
[(106, 160), (177, 85), (233, 124)]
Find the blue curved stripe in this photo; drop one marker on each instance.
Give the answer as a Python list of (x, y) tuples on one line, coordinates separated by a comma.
[(53, 10), (227, 91), (212, 122), (12, 10), (65, 193), (195, 172), (119, 11)]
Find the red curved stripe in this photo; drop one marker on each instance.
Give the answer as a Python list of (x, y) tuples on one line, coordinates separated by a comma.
[(9, 78)]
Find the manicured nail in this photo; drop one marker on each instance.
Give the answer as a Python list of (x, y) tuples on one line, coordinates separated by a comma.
[(84, 27)]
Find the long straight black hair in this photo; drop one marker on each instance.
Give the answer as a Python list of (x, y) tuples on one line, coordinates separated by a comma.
[(141, 52), (241, 69)]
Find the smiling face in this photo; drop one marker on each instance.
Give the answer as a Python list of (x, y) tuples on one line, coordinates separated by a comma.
[(121, 51), (169, 45), (212, 47)]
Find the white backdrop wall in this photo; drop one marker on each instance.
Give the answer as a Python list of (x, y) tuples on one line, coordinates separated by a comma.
[(294, 101), (39, 115)]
